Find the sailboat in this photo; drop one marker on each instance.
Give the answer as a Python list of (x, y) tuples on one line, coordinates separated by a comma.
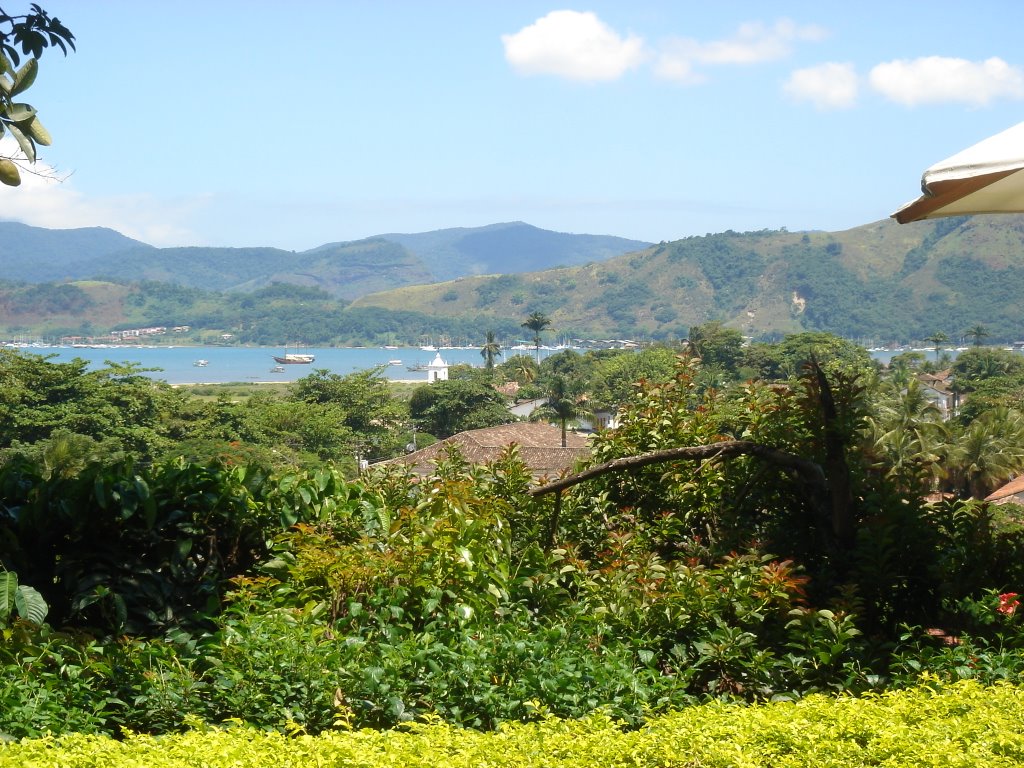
[(294, 358)]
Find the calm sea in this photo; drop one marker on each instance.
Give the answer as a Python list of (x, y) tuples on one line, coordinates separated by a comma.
[(176, 365)]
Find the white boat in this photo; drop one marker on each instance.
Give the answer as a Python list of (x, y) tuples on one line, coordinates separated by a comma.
[(201, 363), (294, 358), (277, 369), (394, 362)]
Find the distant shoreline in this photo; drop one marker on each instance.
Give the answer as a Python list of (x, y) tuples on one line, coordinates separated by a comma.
[(279, 383)]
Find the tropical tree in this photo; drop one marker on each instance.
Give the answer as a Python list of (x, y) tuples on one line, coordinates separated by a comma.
[(976, 365), (977, 333), (988, 452), (937, 339), (490, 350), (789, 357), (616, 378), (908, 435), (565, 402), (520, 368), (445, 408), (32, 33), (537, 322), (903, 367), (716, 345), (364, 404)]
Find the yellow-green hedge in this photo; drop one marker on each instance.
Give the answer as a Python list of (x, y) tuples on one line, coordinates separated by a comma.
[(960, 725)]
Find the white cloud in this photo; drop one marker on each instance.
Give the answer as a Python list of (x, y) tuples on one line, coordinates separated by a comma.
[(827, 86), (675, 66), (43, 200), (937, 80), (574, 45), (753, 43)]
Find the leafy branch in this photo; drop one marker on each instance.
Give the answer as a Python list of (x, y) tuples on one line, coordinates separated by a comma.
[(32, 33)]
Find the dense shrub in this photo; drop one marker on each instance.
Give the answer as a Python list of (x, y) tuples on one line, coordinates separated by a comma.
[(963, 725)]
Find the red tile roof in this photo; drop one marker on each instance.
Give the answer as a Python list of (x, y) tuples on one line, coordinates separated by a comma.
[(540, 447), (1004, 494)]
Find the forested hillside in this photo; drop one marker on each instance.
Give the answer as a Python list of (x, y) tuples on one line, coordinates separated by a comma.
[(345, 270), (878, 283), (881, 281), (34, 254)]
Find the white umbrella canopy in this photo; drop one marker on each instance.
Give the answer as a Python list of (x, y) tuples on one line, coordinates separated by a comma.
[(985, 178)]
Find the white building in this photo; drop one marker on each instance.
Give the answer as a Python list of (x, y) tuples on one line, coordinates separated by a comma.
[(437, 370)]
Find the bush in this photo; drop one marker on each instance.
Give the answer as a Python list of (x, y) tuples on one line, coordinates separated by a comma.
[(962, 726)]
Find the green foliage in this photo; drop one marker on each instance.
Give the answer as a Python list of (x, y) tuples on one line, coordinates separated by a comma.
[(979, 364), (295, 599), (732, 268), (19, 599), (363, 404), (445, 408), (963, 725), (608, 377), (787, 359), (488, 291), (124, 549), (716, 345), (116, 407), (32, 33)]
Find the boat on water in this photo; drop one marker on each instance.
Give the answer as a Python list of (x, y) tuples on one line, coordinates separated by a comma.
[(201, 363), (294, 358), (277, 369), (394, 362)]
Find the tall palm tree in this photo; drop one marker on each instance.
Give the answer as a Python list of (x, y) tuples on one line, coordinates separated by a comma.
[(564, 403), (490, 350), (938, 339), (977, 332), (537, 322)]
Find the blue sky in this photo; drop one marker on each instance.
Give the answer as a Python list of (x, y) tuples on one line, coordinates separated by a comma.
[(291, 125)]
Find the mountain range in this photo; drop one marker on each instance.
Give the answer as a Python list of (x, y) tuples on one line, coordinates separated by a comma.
[(878, 282), (344, 269)]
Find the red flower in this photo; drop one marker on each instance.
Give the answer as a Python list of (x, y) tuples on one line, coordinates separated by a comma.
[(1008, 603)]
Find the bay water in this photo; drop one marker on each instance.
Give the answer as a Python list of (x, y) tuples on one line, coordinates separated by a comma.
[(224, 364), (177, 365)]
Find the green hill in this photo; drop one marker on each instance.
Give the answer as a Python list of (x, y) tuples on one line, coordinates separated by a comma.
[(514, 247), (37, 255), (346, 270), (877, 283), (881, 281)]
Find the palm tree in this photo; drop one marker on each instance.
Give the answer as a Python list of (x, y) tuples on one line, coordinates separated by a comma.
[(938, 339), (564, 403), (490, 350), (537, 322), (977, 332), (524, 369), (988, 452), (908, 435)]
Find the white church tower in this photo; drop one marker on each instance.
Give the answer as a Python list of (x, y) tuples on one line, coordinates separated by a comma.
[(437, 370)]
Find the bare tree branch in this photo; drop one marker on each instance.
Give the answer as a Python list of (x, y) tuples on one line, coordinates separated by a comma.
[(808, 471)]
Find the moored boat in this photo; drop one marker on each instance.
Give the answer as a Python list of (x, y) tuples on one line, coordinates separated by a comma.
[(294, 358)]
